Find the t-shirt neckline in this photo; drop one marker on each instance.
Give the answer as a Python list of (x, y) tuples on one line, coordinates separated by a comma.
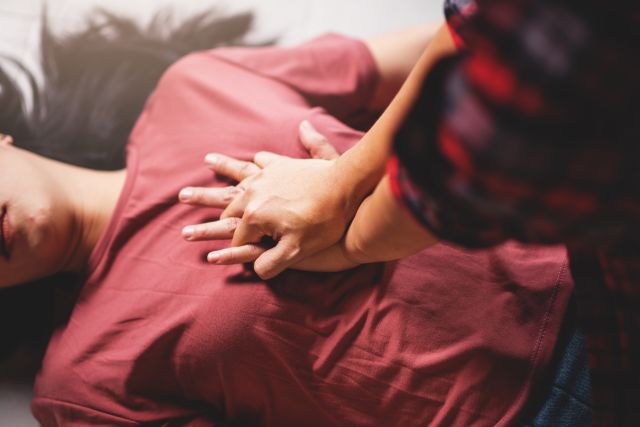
[(105, 240)]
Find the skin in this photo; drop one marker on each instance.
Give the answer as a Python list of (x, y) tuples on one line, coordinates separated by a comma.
[(350, 216), (321, 151), (56, 213), (408, 238)]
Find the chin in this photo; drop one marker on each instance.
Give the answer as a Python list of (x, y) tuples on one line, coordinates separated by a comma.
[(49, 243)]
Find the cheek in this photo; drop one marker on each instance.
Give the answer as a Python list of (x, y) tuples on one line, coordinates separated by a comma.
[(41, 234)]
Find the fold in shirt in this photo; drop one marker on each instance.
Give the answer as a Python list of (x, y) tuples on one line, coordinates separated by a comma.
[(445, 337)]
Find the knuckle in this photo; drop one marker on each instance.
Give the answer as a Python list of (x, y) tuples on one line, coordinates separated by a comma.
[(246, 168), (254, 251), (250, 191), (230, 194), (251, 213), (256, 177), (293, 251), (229, 255)]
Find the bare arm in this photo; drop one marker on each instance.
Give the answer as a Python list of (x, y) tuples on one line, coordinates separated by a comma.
[(381, 231), (363, 165), (306, 205), (395, 55)]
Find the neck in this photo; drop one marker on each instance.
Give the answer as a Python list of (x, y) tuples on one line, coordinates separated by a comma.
[(92, 197)]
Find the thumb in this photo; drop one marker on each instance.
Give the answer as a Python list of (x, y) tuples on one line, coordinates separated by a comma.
[(317, 144), (275, 260)]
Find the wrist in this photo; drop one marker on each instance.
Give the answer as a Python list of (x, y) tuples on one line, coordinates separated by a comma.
[(360, 174)]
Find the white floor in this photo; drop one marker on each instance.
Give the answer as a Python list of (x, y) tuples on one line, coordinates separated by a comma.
[(291, 21)]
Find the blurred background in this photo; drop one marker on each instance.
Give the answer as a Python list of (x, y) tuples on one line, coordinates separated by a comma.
[(290, 21)]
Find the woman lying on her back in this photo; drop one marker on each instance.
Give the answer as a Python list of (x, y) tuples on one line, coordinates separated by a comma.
[(157, 335)]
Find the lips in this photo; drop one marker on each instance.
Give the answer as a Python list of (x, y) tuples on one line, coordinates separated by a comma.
[(6, 234)]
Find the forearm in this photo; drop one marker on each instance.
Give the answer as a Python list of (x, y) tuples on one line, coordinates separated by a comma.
[(363, 165), (381, 231), (275, 203), (395, 55)]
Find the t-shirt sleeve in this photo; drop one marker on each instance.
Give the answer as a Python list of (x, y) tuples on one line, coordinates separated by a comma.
[(333, 71), (525, 133)]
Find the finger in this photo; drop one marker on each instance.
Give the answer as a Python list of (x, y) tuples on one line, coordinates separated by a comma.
[(246, 233), (236, 208), (263, 158), (230, 167), (235, 255), (216, 230), (317, 144), (212, 197), (275, 260)]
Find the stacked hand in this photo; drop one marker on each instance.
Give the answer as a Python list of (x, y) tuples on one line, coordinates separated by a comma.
[(301, 206)]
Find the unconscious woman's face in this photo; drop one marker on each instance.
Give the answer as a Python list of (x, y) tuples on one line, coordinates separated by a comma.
[(34, 228)]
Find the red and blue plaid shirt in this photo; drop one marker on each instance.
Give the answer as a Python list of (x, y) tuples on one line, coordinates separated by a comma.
[(532, 132)]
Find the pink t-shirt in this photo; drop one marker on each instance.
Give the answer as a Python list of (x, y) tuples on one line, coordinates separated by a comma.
[(445, 337)]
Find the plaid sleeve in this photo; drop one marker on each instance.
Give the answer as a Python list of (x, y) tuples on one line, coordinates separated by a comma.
[(531, 131), (608, 299)]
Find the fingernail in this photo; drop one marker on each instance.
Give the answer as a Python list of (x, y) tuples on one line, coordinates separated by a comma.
[(213, 257), (211, 159), (305, 125), (186, 194), (188, 232)]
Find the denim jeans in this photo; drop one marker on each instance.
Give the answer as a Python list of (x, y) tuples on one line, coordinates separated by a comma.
[(564, 399)]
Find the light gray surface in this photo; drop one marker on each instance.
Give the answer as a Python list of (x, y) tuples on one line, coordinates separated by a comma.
[(291, 20), (14, 405)]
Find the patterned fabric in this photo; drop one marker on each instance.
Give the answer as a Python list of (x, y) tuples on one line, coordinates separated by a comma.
[(532, 132)]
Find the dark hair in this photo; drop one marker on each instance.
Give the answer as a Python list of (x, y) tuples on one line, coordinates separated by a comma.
[(96, 82)]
